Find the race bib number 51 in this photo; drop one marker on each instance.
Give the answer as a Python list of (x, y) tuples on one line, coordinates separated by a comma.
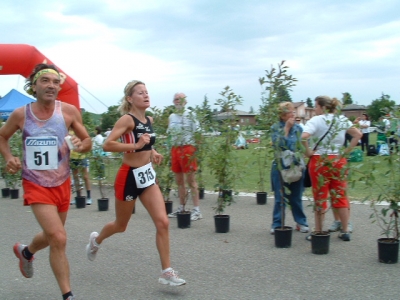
[(41, 152), (144, 176)]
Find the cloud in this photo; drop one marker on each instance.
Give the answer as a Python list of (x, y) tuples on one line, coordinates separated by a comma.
[(199, 47)]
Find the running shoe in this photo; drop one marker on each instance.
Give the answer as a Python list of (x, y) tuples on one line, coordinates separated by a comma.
[(195, 215), (92, 247), (336, 226), (344, 236), (174, 214), (171, 278), (26, 266), (302, 228)]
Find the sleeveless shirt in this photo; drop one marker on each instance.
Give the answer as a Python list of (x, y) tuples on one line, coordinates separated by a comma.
[(45, 153), (134, 136)]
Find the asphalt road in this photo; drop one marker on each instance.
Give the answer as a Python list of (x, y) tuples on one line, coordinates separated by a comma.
[(241, 264)]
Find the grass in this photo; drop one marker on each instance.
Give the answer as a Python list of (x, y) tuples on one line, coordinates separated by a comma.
[(247, 173)]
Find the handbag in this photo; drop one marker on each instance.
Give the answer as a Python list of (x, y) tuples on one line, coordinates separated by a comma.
[(293, 174), (307, 178)]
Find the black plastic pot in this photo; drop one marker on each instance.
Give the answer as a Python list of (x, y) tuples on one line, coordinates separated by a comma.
[(201, 193), (320, 242), (80, 202), (183, 219), (168, 206), (283, 237), (102, 204), (388, 250), (14, 193), (221, 223), (5, 193), (261, 198)]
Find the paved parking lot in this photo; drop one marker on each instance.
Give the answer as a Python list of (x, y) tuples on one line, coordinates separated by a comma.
[(241, 264)]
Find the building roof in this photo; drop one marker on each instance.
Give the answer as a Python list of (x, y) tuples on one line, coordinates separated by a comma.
[(297, 104), (237, 113), (354, 107)]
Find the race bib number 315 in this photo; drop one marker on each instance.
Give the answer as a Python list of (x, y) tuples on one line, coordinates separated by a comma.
[(41, 153), (144, 176)]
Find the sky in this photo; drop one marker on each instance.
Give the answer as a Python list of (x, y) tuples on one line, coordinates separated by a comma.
[(201, 46)]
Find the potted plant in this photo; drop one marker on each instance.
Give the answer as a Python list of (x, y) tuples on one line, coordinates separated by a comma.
[(262, 155), (13, 181), (165, 177), (183, 217), (5, 192), (97, 164), (222, 161), (385, 206), (201, 150), (384, 200), (205, 118), (276, 80), (79, 201)]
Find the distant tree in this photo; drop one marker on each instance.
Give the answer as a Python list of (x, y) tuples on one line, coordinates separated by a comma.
[(251, 110), (87, 120), (309, 102), (346, 99), (109, 118), (204, 114), (283, 95), (379, 107)]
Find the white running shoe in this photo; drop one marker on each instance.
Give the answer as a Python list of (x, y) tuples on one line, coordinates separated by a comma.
[(174, 214), (302, 228), (171, 277), (336, 226), (92, 247), (195, 215), (25, 266)]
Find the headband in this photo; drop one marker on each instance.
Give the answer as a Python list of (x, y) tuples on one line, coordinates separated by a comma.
[(37, 75), (44, 71)]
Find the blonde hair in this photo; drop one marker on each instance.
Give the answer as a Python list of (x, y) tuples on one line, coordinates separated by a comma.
[(125, 106), (284, 108), (329, 104)]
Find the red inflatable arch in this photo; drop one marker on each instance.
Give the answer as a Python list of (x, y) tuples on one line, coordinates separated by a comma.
[(21, 59)]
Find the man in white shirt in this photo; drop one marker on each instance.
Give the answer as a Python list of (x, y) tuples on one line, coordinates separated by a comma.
[(107, 133), (98, 141), (364, 124), (182, 126)]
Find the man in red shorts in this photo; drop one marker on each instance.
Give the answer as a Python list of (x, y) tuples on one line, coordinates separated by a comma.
[(181, 127), (45, 168)]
